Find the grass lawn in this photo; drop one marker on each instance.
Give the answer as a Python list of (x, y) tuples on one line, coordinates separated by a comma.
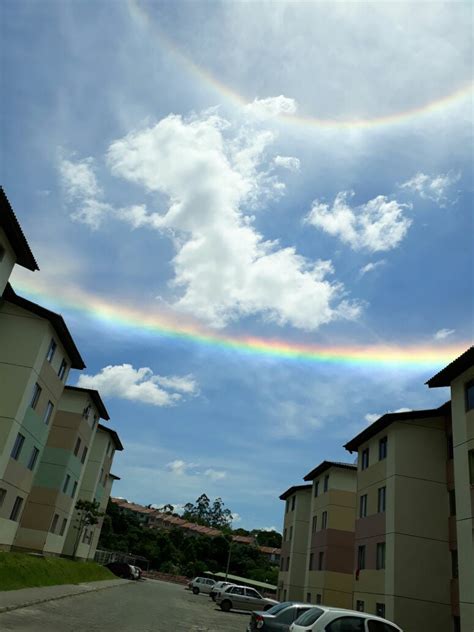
[(20, 570)]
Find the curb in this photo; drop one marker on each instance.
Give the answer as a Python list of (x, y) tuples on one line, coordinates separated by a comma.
[(46, 599)]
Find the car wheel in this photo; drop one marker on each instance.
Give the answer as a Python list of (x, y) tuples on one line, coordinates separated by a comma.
[(195, 590), (226, 605)]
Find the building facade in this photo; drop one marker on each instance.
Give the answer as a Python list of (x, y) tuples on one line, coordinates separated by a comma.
[(330, 539), (292, 575)]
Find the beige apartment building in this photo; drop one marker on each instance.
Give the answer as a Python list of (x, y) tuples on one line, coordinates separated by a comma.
[(96, 485), (43, 454), (330, 536), (291, 579), (58, 477), (459, 378), (402, 557)]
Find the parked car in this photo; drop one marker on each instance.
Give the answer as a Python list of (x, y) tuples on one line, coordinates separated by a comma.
[(201, 584), (218, 588), (242, 598), (137, 572), (278, 618), (325, 619), (121, 569)]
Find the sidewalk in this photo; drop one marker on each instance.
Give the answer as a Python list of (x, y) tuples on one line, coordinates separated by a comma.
[(13, 599)]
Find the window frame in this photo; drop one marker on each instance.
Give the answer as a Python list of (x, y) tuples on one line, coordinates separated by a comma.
[(467, 387), (314, 524), (383, 444), (17, 447), (324, 520), (74, 489), (37, 390), (363, 506), (360, 605), (365, 459), (3, 495), (310, 563), (54, 523), (53, 345), (77, 447), (382, 499), (84, 454), (316, 488), (48, 413), (67, 480), (33, 458), (380, 609), (16, 509), (361, 557), (321, 561), (326, 483), (380, 556), (293, 502), (62, 369), (63, 527)]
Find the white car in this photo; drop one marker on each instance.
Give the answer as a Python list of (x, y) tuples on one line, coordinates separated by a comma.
[(325, 619), (218, 588), (243, 598), (201, 584)]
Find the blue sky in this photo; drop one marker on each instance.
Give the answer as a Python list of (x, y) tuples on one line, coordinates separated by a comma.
[(170, 158)]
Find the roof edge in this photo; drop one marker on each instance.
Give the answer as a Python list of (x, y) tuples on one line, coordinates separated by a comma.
[(96, 398), (292, 490), (326, 465)]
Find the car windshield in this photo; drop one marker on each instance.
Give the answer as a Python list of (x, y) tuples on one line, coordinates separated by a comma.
[(278, 607), (309, 617)]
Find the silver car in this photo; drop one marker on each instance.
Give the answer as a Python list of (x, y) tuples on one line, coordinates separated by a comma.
[(243, 598)]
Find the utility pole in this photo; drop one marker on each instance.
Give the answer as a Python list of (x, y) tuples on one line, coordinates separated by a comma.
[(228, 558)]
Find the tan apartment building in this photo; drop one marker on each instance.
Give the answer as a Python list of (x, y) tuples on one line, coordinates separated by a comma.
[(330, 537), (96, 486), (459, 377), (58, 477), (292, 575), (14, 248), (402, 556), (36, 354)]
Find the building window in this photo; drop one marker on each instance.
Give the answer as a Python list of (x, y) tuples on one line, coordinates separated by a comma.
[(84, 454), (310, 565), (84, 537), (48, 412), (284, 535), (454, 564), (316, 489), (382, 448), (320, 560), (95, 419), (452, 502), (318, 598), (102, 474), (363, 506), (86, 411), (380, 562), (315, 524), (54, 523), (66, 483), (365, 459), (293, 503), (291, 528), (62, 369), (324, 520), (3, 493), (287, 563), (33, 459), (382, 492), (74, 488), (326, 483), (308, 597), (470, 395), (470, 456), (287, 508), (63, 526), (449, 440), (282, 561), (361, 557), (360, 605), (51, 350), (380, 609), (16, 508), (17, 446), (77, 446), (36, 395)]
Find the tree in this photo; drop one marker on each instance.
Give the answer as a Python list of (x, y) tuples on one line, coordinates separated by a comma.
[(88, 515), (202, 512), (219, 516)]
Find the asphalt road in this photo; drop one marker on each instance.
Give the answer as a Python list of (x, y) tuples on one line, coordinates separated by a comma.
[(148, 606)]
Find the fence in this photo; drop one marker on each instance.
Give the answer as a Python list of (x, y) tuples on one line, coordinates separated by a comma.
[(105, 557)]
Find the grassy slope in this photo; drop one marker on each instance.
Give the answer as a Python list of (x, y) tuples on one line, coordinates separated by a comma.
[(19, 570)]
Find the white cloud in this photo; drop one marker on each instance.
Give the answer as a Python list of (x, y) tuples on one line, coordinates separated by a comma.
[(442, 334), (141, 385), (180, 467), (224, 267), (236, 517), (91, 212), (287, 162), (372, 417), (378, 225), (215, 475), (271, 107), (78, 178), (432, 188), (293, 420), (370, 267), (269, 529)]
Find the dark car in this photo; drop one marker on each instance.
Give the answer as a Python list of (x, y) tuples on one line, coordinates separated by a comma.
[(277, 619), (121, 569)]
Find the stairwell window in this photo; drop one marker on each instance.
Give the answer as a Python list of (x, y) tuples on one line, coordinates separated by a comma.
[(74, 488), (320, 560), (380, 609), (324, 520), (380, 562), (35, 396), (318, 598), (316, 489), (54, 523), (51, 350), (84, 454), (310, 565), (63, 526), (291, 534), (454, 564), (452, 502), (360, 605), (15, 513), (326, 483), (382, 448), (17, 446), (470, 395), (365, 459), (363, 506), (3, 493), (361, 557), (382, 492), (293, 503), (470, 455), (62, 369), (66, 483), (287, 563), (77, 447), (48, 412), (33, 459), (315, 524)]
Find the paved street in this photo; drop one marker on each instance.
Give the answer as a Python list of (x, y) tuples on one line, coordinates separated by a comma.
[(148, 606)]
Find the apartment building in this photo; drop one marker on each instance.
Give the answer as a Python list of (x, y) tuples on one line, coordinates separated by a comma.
[(50, 504), (292, 575), (459, 378), (330, 537), (402, 556), (96, 486), (36, 354)]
